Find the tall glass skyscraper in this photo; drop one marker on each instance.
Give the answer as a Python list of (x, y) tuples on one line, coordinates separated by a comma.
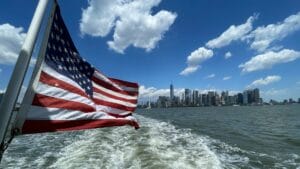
[(171, 92)]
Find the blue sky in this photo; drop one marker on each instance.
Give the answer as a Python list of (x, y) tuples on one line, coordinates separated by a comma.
[(205, 45)]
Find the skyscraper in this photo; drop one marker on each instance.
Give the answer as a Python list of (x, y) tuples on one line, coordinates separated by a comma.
[(171, 92), (187, 97), (256, 95)]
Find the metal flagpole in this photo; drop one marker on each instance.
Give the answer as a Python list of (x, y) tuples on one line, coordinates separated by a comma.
[(10, 97), (26, 103)]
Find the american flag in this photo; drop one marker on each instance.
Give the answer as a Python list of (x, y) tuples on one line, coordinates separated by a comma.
[(72, 95)]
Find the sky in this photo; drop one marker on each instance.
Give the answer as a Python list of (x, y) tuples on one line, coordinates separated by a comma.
[(205, 45)]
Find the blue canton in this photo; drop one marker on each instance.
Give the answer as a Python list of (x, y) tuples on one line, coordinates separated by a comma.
[(62, 55)]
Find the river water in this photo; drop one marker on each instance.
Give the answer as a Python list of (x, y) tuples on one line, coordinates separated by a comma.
[(199, 137)]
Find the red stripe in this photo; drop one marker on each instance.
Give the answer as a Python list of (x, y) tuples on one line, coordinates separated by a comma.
[(118, 115), (124, 83), (134, 101), (113, 88), (113, 105), (52, 81), (47, 101), (38, 126)]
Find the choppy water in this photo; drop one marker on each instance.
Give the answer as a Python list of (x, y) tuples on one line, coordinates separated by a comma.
[(212, 137)]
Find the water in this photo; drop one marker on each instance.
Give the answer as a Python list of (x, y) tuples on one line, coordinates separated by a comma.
[(210, 137)]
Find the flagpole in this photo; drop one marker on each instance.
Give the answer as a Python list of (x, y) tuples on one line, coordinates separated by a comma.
[(13, 89), (29, 94)]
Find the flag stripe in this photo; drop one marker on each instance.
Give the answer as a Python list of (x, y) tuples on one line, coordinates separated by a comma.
[(52, 81), (50, 71), (108, 99), (55, 92), (111, 109), (97, 91), (113, 105), (48, 113), (118, 85), (38, 126), (125, 96), (124, 83), (113, 88), (119, 115), (47, 101)]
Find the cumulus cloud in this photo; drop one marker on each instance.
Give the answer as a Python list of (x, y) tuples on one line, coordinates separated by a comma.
[(227, 55), (269, 59), (189, 70), (195, 59), (210, 76), (226, 77), (132, 21), (11, 40), (263, 36), (233, 33), (265, 81)]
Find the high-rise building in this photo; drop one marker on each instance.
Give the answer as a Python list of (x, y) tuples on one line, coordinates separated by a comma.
[(195, 97), (210, 98), (172, 100), (245, 97), (1, 96), (256, 95), (171, 92), (187, 97), (239, 99)]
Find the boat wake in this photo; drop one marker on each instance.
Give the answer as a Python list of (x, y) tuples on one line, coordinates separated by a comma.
[(155, 145)]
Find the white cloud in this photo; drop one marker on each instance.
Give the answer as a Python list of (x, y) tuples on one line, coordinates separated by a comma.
[(264, 36), (195, 58), (228, 55), (210, 76), (11, 40), (233, 33), (226, 77), (188, 70), (152, 93), (265, 81), (269, 59), (132, 21)]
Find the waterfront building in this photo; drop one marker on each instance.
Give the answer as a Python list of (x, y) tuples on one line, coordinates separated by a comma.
[(245, 97), (204, 100), (163, 102), (195, 98), (239, 99), (210, 98), (1, 96), (187, 97), (171, 93), (256, 96)]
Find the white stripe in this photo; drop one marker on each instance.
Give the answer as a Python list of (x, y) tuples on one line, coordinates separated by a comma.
[(59, 93), (108, 99), (100, 76), (47, 69), (124, 96), (111, 110), (46, 113)]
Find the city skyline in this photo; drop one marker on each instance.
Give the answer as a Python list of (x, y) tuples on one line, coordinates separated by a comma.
[(194, 98), (204, 45)]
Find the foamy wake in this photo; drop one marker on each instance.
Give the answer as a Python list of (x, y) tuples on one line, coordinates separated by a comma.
[(155, 145)]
